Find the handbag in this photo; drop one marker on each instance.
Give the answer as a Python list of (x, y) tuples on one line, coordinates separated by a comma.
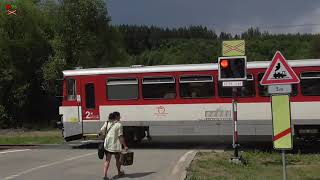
[(101, 145), (100, 150), (126, 158)]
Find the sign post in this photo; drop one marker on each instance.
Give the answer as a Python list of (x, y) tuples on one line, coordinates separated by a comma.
[(284, 167), (279, 76), (232, 72)]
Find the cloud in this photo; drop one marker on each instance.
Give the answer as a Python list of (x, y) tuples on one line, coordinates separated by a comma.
[(221, 15), (309, 22)]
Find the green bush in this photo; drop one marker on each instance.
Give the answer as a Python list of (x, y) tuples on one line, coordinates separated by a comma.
[(4, 118)]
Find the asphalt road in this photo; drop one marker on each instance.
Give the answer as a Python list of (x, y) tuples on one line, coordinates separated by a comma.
[(65, 163)]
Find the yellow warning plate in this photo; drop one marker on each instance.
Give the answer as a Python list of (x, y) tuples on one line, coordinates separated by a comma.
[(233, 48), (281, 122)]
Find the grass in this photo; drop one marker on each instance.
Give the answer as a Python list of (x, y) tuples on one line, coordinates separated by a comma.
[(21, 137), (260, 165)]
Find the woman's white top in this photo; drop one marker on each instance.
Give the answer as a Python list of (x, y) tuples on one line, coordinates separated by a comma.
[(112, 141)]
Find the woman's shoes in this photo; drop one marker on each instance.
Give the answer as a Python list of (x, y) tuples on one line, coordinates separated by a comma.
[(121, 174)]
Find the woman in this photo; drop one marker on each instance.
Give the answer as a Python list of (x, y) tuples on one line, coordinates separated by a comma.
[(113, 141)]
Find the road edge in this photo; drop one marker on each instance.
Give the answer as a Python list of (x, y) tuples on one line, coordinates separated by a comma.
[(188, 162), (179, 171)]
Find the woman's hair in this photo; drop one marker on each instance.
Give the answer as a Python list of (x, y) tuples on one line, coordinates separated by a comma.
[(116, 114), (111, 116)]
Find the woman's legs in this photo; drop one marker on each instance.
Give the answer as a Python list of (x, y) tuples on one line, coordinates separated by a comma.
[(117, 156), (106, 164)]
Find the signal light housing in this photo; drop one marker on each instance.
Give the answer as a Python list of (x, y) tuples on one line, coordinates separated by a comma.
[(232, 68)]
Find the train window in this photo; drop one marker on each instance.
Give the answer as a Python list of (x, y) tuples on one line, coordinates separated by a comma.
[(159, 88), (90, 96), (122, 89), (263, 90), (71, 89), (310, 83), (248, 90), (196, 86), (155, 80)]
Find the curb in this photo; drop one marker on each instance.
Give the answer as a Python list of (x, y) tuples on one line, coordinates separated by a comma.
[(179, 171), (191, 158), (187, 164), (19, 146), (88, 144), (10, 145)]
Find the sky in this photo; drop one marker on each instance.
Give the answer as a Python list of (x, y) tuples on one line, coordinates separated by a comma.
[(234, 16)]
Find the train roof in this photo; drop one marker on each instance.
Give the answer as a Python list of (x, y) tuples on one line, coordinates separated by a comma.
[(180, 67)]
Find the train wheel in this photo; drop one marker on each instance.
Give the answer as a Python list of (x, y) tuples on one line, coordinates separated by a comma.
[(134, 135), (139, 134)]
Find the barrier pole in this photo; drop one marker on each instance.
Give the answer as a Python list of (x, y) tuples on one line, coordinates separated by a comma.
[(235, 125)]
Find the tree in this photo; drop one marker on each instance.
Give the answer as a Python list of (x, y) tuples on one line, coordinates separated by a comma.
[(24, 48), (85, 35), (315, 47)]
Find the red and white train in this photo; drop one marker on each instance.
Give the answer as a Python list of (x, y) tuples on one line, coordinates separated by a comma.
[(184, 102)]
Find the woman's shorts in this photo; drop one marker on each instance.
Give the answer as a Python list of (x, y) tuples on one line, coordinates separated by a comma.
[(108, 152)]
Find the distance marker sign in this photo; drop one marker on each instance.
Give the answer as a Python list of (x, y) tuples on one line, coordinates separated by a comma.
[(281, 120)]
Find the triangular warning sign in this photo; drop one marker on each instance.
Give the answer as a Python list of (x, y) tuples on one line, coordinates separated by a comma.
[(279, 72)]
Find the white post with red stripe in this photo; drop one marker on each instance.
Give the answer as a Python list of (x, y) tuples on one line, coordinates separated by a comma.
[(235, 124)]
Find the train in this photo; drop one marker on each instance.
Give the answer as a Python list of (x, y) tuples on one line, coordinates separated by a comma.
[(184, 102)]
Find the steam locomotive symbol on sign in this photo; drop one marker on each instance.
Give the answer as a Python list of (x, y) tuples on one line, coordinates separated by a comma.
[(277, 74)]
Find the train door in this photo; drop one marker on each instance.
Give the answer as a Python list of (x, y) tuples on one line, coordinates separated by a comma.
[(89, 105), (71, 110)]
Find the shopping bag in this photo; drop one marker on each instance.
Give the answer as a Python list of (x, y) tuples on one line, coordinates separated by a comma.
[(126, 158)]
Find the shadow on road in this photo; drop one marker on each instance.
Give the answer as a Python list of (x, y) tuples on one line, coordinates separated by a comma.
[(149, 145), (134, 175)]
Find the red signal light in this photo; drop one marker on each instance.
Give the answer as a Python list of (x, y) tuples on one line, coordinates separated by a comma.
[(224, 63), (8, 6)]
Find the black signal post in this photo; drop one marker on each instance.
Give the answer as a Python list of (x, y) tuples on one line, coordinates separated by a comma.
[(232, 73)]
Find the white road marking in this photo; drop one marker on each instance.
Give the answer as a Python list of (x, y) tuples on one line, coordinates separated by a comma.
[(47, 165), (179, 164), (18, 150)]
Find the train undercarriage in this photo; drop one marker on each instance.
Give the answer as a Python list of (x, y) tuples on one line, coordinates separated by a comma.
[(135, 135)]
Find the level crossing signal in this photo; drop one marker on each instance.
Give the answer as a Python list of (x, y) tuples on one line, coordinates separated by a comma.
[(232, 68)]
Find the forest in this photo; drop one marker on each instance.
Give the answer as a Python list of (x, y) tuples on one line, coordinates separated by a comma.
[(46, 37)]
